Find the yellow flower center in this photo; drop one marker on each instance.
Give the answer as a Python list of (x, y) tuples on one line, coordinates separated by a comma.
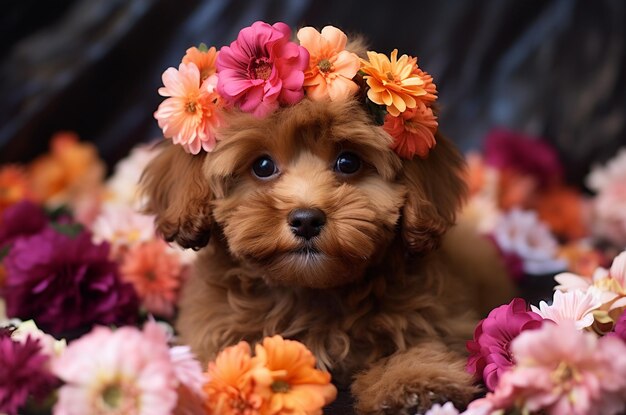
[(565, 376), (190, 107), (280, 386), (610, 284), (325, 65)]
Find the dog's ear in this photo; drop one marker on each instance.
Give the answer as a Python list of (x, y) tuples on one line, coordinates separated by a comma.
[(435, 192), (179, 195)]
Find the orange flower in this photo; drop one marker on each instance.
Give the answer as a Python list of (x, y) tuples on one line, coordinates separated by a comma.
[(296, 386), (429, 85), (230, 389), (393, 83), (203, 58), (563, 209), (155, 274), (68, 173), (582, 259), (331, 67), (413, 131), (13, 186)]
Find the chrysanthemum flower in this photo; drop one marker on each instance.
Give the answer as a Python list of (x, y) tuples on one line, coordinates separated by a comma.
[(23, 372), (190, 115), (393, 82), (296, 385), (262, 69), (125, 371), (155, 274), (331, 67), (413, 131), (231, 389), (203, 58), (575, 306), (490, 354)]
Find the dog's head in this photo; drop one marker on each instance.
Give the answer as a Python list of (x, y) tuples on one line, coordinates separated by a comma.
[(311, 195)]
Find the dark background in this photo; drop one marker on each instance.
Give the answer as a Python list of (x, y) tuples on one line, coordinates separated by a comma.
[(554, 69)]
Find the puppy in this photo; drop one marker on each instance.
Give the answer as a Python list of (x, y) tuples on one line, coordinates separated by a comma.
[(309, 226)]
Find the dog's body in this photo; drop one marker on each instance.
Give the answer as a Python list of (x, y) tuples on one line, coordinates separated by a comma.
[(357, 276)]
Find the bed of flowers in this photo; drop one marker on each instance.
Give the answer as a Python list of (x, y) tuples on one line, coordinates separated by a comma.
[(89, 291)]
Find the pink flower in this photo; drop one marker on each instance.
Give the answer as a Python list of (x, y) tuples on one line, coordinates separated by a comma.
[(262, 69), (620, 327), (575, 306), (562, 370), (190, 381), (125, 371), (189, 116), (489, 352)]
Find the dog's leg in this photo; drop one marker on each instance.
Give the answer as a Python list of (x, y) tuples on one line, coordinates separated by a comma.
[(412, 381)]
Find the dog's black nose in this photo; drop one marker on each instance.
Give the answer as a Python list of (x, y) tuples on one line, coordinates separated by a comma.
[(306, 223)]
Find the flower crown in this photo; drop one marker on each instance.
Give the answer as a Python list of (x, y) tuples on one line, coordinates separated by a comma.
[(263, 70)]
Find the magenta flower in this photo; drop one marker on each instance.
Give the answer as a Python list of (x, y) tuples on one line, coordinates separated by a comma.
[(65, 283), (23, 373), (490, 354), (262, 69), (21, 219), (620, 327)]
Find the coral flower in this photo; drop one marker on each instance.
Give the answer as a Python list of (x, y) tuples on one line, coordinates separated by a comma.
[(203, 58), (413, 131), (576, 306), (331, 67), (230, 389), (393, 82), (563, 209), (13, 186), (155, 274), (126, 371), (296, 387), (262, 69), (190, 115)]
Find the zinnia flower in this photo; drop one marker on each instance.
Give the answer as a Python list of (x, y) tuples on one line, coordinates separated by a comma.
[(575, 306), (190, 115), (331, 67), (65, 283), (490, 354), (155, 274), (203, 58), (393, 82), (296, 385), (413, 131), (126, 371), (23, 372), (262, 69), (561, 370), (230, 389)]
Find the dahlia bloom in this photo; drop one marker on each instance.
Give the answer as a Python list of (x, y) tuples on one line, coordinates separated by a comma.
[(189, 116), (490, 354), (203, 58), (575, 306), (126, 371), (393, 82), (65, 283), (562, 370), (413, 131), (296, 385), (331, 67), (262, 69), (155, 274), (23, 372)]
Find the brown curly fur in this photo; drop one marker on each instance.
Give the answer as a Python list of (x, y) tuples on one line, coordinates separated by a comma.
[(378, 305)]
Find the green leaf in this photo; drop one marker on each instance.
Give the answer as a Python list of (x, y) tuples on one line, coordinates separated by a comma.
[(4, 251), (378, 112), (70, 229), (202, 47)]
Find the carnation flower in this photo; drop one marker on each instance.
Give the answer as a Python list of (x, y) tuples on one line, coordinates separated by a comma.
[(490, 354), (296, 385), (575, 306), (393, 82), (561, 370), (203, 58), (23, 372), (520, 232), (189, 116), (13, 186), (126, 371), (413, 131), (331, 67), (65, 283), (20, 220), (155, 274), (262, 69)]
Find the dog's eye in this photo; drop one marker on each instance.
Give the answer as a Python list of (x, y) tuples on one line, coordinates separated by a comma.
[(347, 163), (264, 167)]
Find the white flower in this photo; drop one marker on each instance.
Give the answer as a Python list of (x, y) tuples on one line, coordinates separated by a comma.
[(576, 306), (614, 171), (123, 187), (122, 226)]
